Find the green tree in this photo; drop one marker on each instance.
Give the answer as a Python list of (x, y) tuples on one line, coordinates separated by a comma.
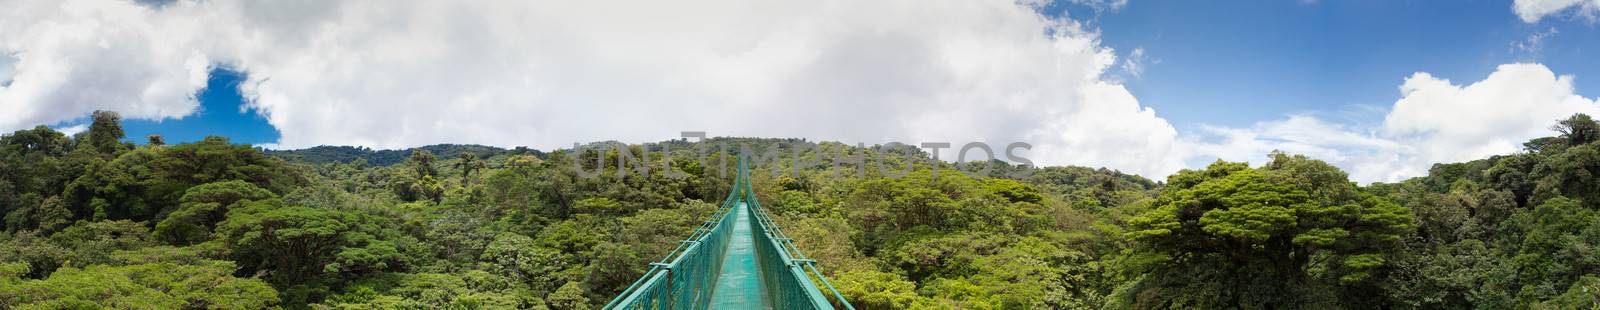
[(1234, 237), (428, 188), (422, 162), (202, 207), (520, 258), (523, 161), (474, 289), (296, 244), (105, 132), (598, 205), (48, 215), (82, 244), (570, 296), (424, 183), (468, 163), (95, 242), (1579, 129), (1464, 275), (874, 290), (146, 286), (1559, 240), (143, 183)]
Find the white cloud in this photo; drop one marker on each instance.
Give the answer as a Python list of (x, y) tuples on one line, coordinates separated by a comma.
[(1533, 46), (1134, 65), (1434, 121), (1493, 116), (271, 146), (1533, 10), (1102, 5), (75, 57), (73, 130), (549, 73)]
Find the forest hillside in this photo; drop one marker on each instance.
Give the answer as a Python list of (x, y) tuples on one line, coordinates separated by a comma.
[(92, 221)]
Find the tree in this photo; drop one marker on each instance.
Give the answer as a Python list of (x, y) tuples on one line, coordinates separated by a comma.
[(872, 290), (39, 255), (202, 207), (520, 258), (105, 132), (294, 244), (422, 161), (145, 182), (570, 296), (426, 187), (33, 170), (468, 164), (146, 286), (156, 140), (523, 161), (96, 242), (474, 289), (598, 205), (1579, 129), (1281, 236), (1463, 275), (110, 190), (423, 183), (214, 159), (1559, 240), (1015, 191), (40, 139), (47, 215)]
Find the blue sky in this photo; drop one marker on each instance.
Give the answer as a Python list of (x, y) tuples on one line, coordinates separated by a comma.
[(1235, 63), (1382, 89), (221, 113)]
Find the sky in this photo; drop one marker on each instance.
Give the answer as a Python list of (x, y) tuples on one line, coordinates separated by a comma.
[(1382, 89)]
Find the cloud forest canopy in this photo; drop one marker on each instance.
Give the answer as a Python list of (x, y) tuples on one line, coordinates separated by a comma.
[(93, 222)]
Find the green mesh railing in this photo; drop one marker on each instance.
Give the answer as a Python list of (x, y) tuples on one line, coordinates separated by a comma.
[(686, 277), (688, 273), (789, 274)]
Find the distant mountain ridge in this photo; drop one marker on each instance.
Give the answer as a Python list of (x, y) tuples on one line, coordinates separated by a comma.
[(346, 154)]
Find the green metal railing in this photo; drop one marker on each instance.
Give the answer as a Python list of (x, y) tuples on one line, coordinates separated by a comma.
[(687, 274), (789, 272), (685, 278)]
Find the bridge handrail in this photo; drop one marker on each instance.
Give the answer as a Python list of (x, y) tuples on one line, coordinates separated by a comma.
[(791, 254), (650, 282), (656, 285)]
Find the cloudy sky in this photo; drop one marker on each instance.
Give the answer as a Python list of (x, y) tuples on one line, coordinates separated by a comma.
[(1380, 88)]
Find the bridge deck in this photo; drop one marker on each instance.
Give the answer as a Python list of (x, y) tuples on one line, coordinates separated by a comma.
[(739, 285)]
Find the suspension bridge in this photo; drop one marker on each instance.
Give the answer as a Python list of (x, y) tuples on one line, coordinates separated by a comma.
[(738, 259)]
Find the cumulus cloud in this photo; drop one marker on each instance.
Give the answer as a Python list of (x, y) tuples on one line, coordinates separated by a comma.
[(550, 73), (1533, 10), (1434, 121), (1493, 116), (71, 58), (1103, 5), (73, 130)]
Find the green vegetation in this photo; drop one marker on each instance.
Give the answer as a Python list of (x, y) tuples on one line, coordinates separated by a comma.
[(92, 222)]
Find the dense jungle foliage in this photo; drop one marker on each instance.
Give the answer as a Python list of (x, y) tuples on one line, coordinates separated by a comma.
[(92, 221)]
